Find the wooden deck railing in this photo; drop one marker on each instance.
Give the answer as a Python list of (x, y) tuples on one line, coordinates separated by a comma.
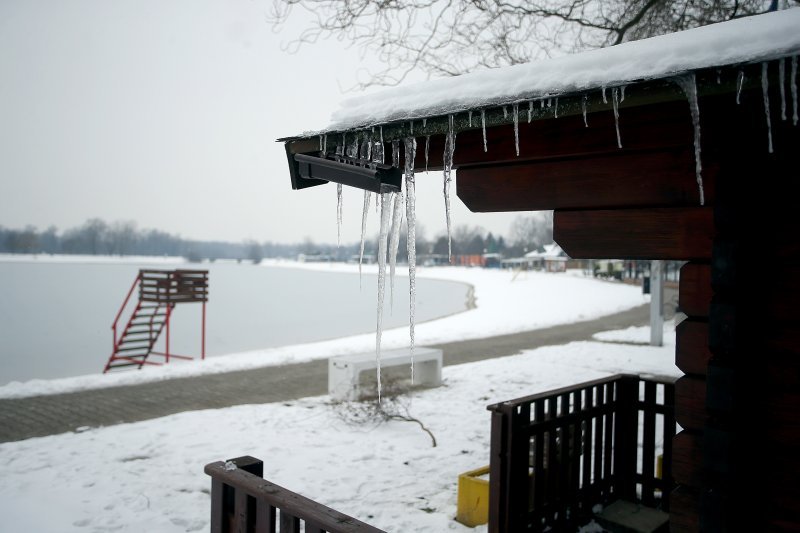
[(556, 455), (241, 501), (173, 286)]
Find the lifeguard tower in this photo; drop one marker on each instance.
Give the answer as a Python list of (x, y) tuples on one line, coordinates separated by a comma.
[(159, 292)]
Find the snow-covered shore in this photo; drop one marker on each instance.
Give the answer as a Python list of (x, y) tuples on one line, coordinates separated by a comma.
[(503, 304)]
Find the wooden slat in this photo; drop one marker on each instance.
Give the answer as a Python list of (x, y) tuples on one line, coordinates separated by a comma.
[(691, 346), (687, 458), (662, 233), (690, 402), (648, 443), (593, 181), (289, 522), (565, 136), (694, 296)]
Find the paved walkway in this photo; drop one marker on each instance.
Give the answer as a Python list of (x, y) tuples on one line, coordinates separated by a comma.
[(48, 415)]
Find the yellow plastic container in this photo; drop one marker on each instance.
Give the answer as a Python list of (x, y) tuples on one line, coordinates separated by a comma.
[(473, 497)]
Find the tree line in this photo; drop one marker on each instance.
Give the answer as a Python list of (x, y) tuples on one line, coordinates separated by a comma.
[(98, 237)]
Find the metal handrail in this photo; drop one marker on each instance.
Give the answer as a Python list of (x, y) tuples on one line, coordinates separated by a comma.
[(122, 308)]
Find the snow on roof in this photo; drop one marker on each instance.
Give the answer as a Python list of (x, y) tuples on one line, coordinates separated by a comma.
[(746, 40), (551, 251)]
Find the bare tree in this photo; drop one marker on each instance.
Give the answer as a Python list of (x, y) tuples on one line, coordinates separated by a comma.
[(532, 231), (450, 37)]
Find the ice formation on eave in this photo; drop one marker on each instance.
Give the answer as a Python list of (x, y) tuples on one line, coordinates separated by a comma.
[(746, 40)]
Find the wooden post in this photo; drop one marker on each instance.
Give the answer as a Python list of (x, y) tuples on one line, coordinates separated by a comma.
[(656, 304)]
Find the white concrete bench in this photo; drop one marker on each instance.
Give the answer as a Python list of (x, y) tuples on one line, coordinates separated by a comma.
[(345, 380)]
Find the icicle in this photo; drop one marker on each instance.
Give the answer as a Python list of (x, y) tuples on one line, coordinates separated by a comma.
[(338, 214), (605, 101), (739, 83), (394, 241), (449, 148), (344, 144), (719, 74), (782, 79), (396, 153), (424, 123), (427, 148), (530, 111), (505, 112), (369, 147), (555, 110), (411, 150), (549, 103), (384, 232), (383, 150), (364, 214), (793, 83), (469, 115), (583, 108), (689, 86), (320, 142), (622, 95), (516, 128), (765, 92), (411, 126), (325, 144), (615, 104), (377, 203), (541, 104), (483, 125)]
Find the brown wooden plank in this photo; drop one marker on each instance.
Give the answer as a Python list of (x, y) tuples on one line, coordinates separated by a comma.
[(684, 511), (694, 296), (690, 402), (687, 458), (680, 233), (565, 136), (665, 177), (691, 346)]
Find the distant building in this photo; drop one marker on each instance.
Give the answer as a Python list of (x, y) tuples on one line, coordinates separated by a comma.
[(550, 258)]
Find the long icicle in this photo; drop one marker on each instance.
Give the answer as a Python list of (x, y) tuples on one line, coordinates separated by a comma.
[(449, 148), (516, 127), (483, 125), (615, 105), (385, 208), (427, 149), (793, 84), (411, 243), (583, 108), (689, 86), (765, 93), (338, 215), (782, 80), (364, 214), (739, 83), (394, 240)]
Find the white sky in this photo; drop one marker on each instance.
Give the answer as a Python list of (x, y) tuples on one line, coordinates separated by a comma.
[(166, 113)]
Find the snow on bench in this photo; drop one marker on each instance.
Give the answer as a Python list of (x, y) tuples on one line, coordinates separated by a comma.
[(346, 382)]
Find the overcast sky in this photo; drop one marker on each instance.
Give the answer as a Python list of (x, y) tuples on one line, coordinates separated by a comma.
[(166, 113)]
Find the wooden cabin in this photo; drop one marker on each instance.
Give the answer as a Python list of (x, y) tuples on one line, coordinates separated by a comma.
[(636, 167)]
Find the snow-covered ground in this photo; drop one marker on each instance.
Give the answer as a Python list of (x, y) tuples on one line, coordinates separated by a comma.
[(504, 303), (148, 476)]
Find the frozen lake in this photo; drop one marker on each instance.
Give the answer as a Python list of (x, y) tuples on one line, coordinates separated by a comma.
[(55, 316)]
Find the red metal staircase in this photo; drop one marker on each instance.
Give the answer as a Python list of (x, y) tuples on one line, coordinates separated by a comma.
[(159, 292)]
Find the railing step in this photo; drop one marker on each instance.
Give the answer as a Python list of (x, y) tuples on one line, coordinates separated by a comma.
[(134, 349)]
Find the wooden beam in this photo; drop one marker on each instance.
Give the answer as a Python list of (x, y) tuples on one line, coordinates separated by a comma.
[(690, 403), (682, 233), (684, 510), (694, 294), (691, 347), (687, 458), (662, 177)]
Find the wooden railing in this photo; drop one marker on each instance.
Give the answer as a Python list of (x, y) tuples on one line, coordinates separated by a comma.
[(241, 501), (173, 286), (556, 455)]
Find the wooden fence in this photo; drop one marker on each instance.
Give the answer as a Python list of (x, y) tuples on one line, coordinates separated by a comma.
[(243, 502), (556, 455)]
